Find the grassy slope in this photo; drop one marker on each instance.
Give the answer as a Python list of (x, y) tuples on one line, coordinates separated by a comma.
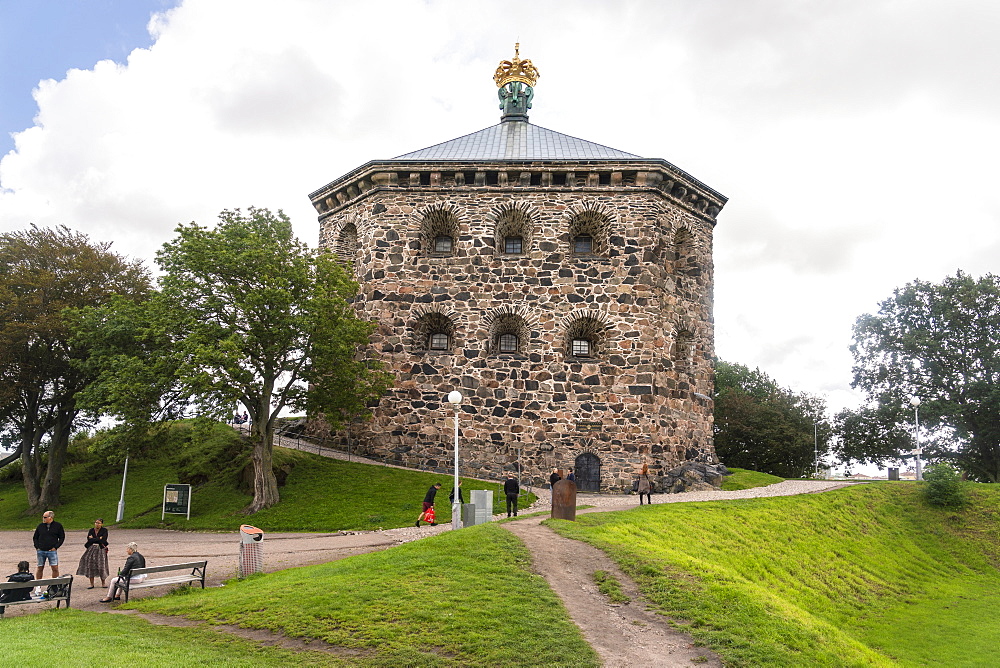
[(465, 599), (744, 479), (319, 495), (74, 638), (865, 576)]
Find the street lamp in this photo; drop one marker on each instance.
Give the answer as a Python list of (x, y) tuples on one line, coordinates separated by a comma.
[(121, 500), (816, 447), (915, 402), (455, 398)]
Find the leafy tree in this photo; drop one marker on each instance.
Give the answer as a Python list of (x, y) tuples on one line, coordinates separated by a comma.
[(941, 343), (764, 427), (244, 313), (44, 273)]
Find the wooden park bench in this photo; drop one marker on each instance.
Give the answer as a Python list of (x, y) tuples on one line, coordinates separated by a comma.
[(193, 571), (62, 593)]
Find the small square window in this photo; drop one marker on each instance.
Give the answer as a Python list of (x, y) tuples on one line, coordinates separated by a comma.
[(508, 343), (513, 245), (442, 244), (439, 341), (583, 244), (580, 348)]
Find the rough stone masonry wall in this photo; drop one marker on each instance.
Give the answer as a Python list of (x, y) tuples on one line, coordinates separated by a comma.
[(644, 398)]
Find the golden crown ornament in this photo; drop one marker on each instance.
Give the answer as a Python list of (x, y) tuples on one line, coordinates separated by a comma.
[(516, 70)]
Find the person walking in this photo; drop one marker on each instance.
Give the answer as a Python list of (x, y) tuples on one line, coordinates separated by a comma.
[(94, 562), (554, 478), (571, 476), (132, 562), (512, 490), (645, 485), (48, 538), (429, 502)]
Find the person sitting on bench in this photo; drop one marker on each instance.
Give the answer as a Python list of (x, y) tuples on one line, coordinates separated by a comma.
[(134, 560), (23, 575)]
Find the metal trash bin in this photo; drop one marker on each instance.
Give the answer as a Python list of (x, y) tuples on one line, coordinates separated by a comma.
[(251, 550)]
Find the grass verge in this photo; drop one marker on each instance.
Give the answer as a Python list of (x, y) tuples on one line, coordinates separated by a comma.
[(864, 576), (74, 638), (463, 598), (746, 479)]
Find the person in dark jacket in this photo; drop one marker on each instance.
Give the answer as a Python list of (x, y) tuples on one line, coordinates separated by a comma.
[(511, 489), (23, 575), (451, 497), (429, 501), (133, 561), (554, 478), (94, 562), (48, 538)]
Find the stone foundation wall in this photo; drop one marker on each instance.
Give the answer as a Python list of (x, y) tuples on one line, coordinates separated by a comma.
[(643, 298)]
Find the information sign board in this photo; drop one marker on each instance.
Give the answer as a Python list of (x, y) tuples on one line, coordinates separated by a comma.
[(176, 500)]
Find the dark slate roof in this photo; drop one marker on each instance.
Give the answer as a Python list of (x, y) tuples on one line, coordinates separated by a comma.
[(517, 140)]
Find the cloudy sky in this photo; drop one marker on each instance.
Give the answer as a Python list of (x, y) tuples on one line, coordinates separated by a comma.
[(856, 140)]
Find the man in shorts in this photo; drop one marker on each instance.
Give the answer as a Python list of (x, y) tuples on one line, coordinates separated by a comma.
[(49, 536)]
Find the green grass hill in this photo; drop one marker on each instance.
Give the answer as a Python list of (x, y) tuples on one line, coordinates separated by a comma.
[(317, 494)]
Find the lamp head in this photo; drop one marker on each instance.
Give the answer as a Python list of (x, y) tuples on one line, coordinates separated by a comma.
[(914, 401), (455, 397)]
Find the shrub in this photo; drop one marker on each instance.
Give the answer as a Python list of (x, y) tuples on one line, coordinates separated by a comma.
[(943, 486)]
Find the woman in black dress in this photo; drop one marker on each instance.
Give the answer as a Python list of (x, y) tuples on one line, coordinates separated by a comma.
[(94, 562)]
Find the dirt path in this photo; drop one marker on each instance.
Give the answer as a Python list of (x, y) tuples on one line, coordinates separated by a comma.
[(626, 635)]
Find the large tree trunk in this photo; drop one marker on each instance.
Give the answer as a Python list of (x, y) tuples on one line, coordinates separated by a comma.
[(265, 485), (52, 480), (30, 464)]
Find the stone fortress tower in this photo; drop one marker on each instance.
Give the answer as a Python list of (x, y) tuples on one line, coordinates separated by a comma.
[(564, 287)]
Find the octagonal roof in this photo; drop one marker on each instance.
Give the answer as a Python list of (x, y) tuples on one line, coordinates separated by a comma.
[(517, 140)]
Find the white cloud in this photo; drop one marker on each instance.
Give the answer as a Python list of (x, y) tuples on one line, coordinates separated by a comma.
[(854, 139)]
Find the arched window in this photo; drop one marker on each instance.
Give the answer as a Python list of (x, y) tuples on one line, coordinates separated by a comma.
[(509, 332), (589, 231), (433, 332), (508, 343), (439, 232), (512, 230), (586, 335), (346, 245)]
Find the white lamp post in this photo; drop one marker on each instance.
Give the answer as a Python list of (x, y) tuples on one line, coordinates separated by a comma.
[(816, 447), (915, 402), (455, 398), (121, 500)]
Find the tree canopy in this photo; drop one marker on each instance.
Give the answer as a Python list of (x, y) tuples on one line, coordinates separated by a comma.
[(45, 273), (244, 313), (941, 343), (764, 427)]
